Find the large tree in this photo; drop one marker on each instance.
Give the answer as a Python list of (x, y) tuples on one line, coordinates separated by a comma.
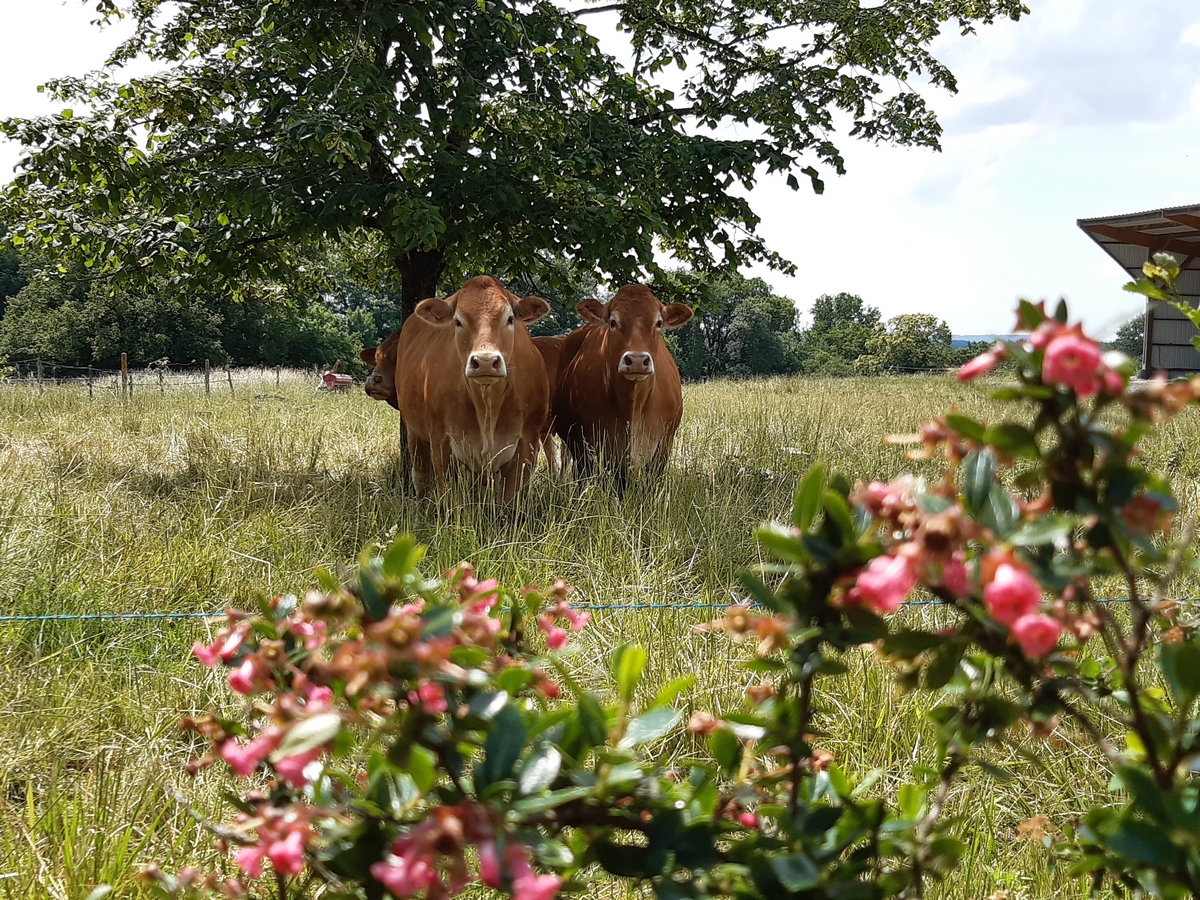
[(470, 134)]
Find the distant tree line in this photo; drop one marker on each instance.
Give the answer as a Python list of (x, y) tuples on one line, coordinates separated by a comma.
[(338, 303)]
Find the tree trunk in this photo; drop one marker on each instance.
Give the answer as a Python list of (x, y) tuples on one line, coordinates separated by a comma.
[(420, 271)]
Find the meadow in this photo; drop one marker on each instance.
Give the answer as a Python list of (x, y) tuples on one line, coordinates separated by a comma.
[(188, 503)]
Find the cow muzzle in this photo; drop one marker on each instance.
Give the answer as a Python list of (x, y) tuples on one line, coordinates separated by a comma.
[(486, 366), (374, 388), (636, 366)]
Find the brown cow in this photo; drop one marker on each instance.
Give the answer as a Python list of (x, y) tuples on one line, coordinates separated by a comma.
[(471, 386), (551, 347), (381, 383), (619, 392)]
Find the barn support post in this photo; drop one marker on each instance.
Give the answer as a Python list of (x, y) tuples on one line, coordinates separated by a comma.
[(207, 386)]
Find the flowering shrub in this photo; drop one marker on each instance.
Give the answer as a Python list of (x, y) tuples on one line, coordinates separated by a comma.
[(407, 737)]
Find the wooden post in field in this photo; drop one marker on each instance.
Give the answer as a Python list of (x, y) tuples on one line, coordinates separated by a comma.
[(277, 368), (160, 380), (89, 382), (207, 389), (229, 377), (125, 387), (41, 384)]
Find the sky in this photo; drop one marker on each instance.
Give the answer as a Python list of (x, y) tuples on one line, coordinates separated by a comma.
[(1083, 108)]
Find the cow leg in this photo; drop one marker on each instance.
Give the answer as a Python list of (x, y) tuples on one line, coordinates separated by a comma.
[(552, 462), (662, 454), (422, 464), (441, 459), (514, 473)]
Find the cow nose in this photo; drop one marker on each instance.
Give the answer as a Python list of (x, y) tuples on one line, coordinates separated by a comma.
[(486, 364), (374, 380), (637, 364)]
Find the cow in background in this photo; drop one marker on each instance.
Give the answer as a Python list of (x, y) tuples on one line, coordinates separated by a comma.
[(381, 383), (471, 385), (551, 348), (619, 393)]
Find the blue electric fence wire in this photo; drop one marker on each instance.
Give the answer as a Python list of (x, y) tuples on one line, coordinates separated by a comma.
[(587, 607)]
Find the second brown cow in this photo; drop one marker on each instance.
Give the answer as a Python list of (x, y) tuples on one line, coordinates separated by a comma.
[(619, 394)]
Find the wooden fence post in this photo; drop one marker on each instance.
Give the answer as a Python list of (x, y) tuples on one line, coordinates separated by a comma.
[(89, 382), (160, 380), (229, 377), (207, 389), (277, 368), (125, 391), (41, 384)]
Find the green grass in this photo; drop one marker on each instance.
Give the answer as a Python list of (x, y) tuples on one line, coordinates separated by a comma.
[(187, 503)]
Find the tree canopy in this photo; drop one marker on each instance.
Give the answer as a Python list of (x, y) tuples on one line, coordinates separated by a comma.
[(471, 135)]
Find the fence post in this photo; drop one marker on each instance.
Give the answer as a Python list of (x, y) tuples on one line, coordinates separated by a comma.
[(89, 382), (277, 368), (207, 389), (41, 385), (229, 377), (125, 376), (160, 380)]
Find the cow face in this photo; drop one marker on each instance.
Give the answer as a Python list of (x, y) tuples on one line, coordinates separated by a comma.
[(381, 383), (635, 320), (484, 317)]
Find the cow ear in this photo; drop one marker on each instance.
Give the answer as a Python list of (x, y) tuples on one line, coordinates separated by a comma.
[(676, 315), (434, 311), (590, 310), (367, 355), (530, 309)]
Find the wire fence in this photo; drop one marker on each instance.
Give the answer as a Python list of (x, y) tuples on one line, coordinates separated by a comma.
[(159, 376), (588, 607)]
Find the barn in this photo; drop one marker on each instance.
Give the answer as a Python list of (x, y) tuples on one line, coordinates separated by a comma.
[(1132, 239)]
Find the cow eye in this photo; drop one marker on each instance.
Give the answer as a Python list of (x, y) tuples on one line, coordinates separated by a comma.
[(612, 323), (458, 322), (511, 319), (658, 324)]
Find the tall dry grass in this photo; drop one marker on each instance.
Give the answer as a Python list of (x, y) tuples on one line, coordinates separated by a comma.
[(187, 503)]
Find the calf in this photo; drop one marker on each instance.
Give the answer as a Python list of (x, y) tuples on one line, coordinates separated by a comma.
[(471, 386), (619, 392)]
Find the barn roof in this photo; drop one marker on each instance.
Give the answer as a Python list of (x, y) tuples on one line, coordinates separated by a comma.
[(1131, 239)]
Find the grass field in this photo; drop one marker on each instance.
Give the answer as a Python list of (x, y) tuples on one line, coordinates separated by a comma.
[(187, 503)]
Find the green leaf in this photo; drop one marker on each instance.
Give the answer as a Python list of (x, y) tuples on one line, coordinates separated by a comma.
[(502, 748), (1146, 794), (422, 768), (979, 471), (649, 726), (795, 871), (1180, 664), (627, 665), (1029, 316), (1148, 288), (307, 734), (966, 426), (911, 798), (1143, 843), (540, 770), (1046, 530), (531, 806), (672, 690), (807, 502), (1001, 513), (838, 512), (592, 721), (943, 664), (778, 540), (1012, 439), (402, 556), (725, 748), (99, 891)]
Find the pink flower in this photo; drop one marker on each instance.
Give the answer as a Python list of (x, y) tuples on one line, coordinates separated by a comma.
[(556, 638), (984, 362), (489, 864), (291, 768), (577, 619), (430, 697), (403, 876), (955, 577), (318, 696), (536, 887), (314, 633), (1037, 634), (206, 654), (249, 859), (1114, 383), (287, 856), (885, 499), (1011, 594), (883, 584), (244, 759), (1073, 360), (227, 644), (250, 677)]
